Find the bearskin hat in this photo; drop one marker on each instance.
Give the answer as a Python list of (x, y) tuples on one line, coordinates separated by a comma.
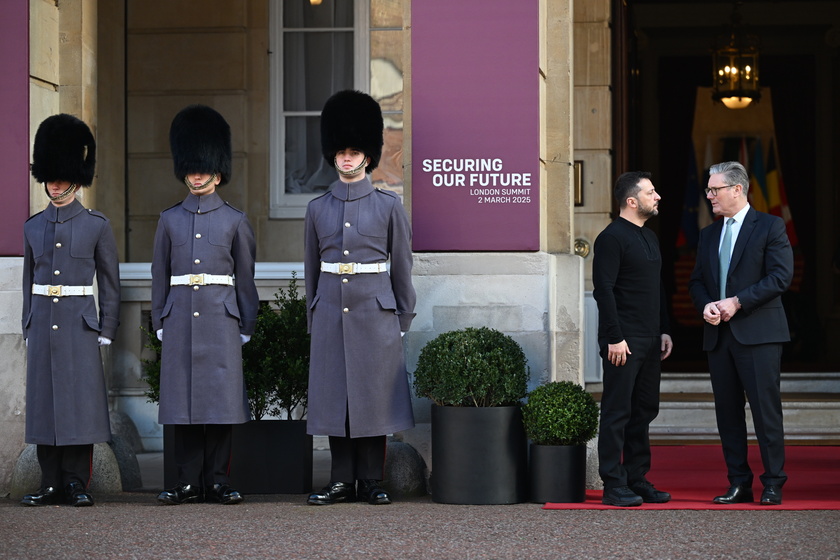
[(352, 119), (64, 150), (200, 142)]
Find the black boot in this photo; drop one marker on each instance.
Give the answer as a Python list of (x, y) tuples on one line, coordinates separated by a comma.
[(371, 491), (223, 494), (333, 493), (76, 495), (47, 496), (181, 494)]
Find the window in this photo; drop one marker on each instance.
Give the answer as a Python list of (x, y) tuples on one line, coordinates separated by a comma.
[(317, 51)]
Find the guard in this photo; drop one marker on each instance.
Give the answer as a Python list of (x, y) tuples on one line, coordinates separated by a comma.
[(66, 247), (204, 307)]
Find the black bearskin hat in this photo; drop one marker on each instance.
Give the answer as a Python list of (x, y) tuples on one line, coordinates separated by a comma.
[(64, 151), (200, 142), (352, 119)]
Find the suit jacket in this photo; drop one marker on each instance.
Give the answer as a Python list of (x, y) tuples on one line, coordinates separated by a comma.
[(760, 271)]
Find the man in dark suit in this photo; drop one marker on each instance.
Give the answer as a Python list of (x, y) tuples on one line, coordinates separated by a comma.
[(744, 265)]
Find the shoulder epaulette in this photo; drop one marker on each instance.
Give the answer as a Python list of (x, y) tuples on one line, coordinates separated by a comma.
[(232, 207), (34, 215), (97, 213)]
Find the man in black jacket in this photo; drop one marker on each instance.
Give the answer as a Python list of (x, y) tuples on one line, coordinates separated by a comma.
[(632, 335)]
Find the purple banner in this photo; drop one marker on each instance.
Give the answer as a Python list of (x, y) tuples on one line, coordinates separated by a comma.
[(475, 125), (14, 134)]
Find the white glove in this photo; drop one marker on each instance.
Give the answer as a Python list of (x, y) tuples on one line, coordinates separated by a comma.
[(244, 337), (104, 341), (159, 334), (402, 334)]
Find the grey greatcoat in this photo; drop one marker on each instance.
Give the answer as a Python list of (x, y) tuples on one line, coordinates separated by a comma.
[(201, 363), (357, 367), (66, 400)]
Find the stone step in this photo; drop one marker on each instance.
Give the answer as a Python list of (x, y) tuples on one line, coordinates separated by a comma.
[(810, 402), (816, 382)]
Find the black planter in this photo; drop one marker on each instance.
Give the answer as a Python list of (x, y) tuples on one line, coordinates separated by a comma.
[(271, 457), (268, 457), (479, 455), (558, 473)]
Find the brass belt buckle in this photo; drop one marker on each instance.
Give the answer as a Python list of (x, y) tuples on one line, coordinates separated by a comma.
[(54, 291), (196, 279), (345, 268)]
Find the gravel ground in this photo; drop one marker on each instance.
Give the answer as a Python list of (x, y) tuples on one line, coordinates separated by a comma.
[(133, 525)]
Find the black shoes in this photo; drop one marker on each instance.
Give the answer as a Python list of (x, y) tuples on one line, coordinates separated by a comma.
[(181, 494), (738, 494), (371, 491), (648, 493), (333, 493), (337, 492), (772, 496), (223, 494), (75, 495), (44, 497), (621, 496)]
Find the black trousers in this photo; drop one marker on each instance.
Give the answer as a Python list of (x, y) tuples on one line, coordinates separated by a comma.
[(202, 453), (63, 464), (629, 403), (753, 370), (357, 458)]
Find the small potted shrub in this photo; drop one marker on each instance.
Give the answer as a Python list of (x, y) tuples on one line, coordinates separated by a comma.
[(560, 417), (274, 455), (476, 378), (269, 455)]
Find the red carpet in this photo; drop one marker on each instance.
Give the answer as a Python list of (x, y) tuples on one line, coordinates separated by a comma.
[(694, 474)]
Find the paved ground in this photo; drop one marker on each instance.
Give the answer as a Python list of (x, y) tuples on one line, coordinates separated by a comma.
[(132, 525)]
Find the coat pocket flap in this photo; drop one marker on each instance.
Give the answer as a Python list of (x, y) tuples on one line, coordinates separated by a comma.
[(92, 322), (387, 301)]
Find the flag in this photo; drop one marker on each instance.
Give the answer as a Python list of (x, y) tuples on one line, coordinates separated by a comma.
[(689, 230), (758, 180), (704, 214), (777, 198), (743, 157)]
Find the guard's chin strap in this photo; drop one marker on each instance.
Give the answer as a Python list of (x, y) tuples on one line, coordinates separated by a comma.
[(68, 192), (351, 172), (201, 186)]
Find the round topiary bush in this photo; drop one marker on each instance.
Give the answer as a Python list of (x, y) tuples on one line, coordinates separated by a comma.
[(472, 367), (560, 413)]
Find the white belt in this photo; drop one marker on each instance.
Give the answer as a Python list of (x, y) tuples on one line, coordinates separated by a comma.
[(353, 268), (200, 280), (61, 291)]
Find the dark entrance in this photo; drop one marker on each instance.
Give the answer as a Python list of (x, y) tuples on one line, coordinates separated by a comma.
[(662, 55)]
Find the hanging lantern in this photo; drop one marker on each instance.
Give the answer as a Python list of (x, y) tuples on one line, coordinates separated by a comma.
[(736, 66)]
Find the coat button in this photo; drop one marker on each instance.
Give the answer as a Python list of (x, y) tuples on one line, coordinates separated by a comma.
[(58, 245), (198, 236), (195, 314), (346, 310), (57, 272), (346, 252), (197, 261), (55, 300), (346, 224), (55, 327), (195, 288), (344, 280)]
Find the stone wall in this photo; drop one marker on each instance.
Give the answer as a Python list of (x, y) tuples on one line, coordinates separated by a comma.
[(12, 370)]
